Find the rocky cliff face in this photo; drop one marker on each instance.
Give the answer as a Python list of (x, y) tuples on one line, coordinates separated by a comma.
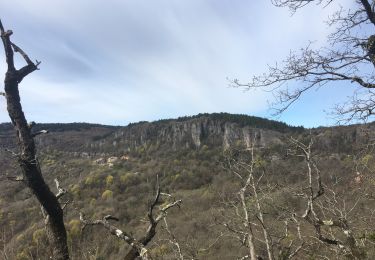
[(192, 133), (212, 130)]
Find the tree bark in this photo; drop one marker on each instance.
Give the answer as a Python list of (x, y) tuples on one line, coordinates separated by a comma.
[(27, 157)]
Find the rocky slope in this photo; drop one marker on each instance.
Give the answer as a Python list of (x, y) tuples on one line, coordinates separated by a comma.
[(204, 130), (224, 130)]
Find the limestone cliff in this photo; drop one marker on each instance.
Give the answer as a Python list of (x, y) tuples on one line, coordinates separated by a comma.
[(193, 132), (219, 130)]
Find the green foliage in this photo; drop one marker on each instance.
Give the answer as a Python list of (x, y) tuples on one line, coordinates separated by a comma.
[(39, 236), (259, 162), (241, 120), (75, 190), (109, 180), (23, 255), (74, 228), (129, 179), (371, 236), (92, 180), (366, 159), (93, 202), (107, 194)]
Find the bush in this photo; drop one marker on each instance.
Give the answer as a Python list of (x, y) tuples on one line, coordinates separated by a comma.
[(74, 228), (39, 235), (107, 194), (129, 179), (109, 180)]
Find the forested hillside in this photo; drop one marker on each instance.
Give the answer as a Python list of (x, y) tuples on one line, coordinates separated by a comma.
[(206, 161)]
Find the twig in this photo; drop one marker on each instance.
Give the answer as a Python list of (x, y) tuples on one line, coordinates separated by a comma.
[(24, 55), (40, 133), (12, 153), (61, 191), (16, 178), (139, 247)]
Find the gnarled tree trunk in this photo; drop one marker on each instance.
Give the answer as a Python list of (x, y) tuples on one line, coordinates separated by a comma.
[(27, 154)]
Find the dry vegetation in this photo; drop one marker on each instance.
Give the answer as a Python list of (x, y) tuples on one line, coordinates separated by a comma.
[(210, 222)]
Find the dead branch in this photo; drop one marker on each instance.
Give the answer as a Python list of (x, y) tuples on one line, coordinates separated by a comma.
[(16, 178), (173, 240), (12, 153), (27, 156), (60, 190), (240, 225), (138, 246), (41, 132), (315, 218)]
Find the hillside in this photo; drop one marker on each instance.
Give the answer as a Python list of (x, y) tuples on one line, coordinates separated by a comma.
[(112, 170)]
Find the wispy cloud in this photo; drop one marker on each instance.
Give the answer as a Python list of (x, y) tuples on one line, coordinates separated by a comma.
[(120, 61)]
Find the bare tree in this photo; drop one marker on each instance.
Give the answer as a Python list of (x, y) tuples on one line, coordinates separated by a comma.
[(27, 160), (276, 221), (330, 213), (173, 241), (138, 246), (246, 221), (349, 57)]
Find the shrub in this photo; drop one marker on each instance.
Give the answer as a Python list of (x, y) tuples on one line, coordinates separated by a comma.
[(74, 228), (39, 235), (75, 190), (107, 194), (109, 180)]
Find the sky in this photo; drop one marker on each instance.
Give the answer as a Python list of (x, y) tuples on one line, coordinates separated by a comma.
[(121, 61)]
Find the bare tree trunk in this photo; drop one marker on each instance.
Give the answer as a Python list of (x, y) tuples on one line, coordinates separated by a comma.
[(251, 182), (260, 217), (247, 222), (27, 156)]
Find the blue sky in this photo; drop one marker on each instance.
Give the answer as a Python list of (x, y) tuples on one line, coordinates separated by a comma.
[(115, 62)]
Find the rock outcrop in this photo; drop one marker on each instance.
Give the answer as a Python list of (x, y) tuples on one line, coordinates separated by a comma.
[(191, 133)]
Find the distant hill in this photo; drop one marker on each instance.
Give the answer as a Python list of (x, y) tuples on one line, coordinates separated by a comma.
[(191, 132), (204, 129)]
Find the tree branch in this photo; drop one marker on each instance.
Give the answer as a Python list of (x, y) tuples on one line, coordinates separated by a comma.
[(40, 133), (5, 37), (61, 191), (348, 57), (139, 247), (313, 217), (369, 11), (30, 67)]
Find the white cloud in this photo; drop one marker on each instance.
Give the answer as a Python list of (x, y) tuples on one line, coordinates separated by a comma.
[(120, 61)]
